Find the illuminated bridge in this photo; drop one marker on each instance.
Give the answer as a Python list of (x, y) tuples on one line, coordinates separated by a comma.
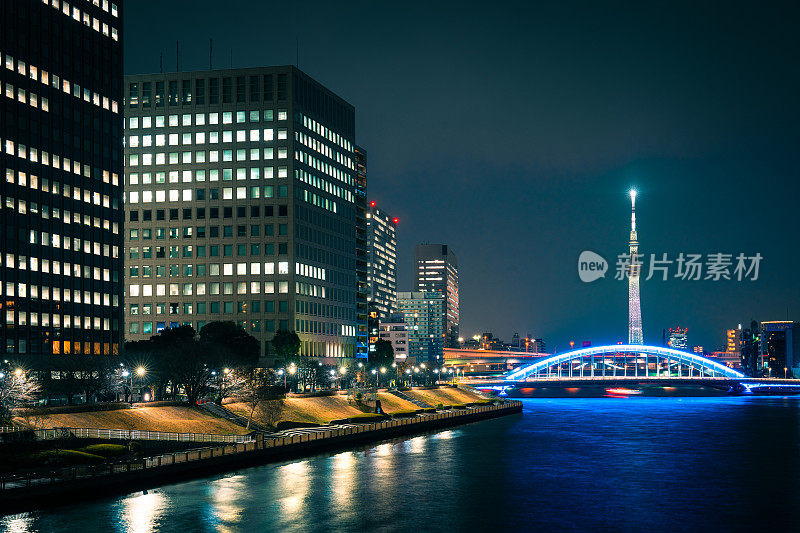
[(633, 363)]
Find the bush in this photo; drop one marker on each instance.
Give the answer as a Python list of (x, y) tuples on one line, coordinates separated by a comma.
[(440, 405), (292, 424), (136, 448), (458, 406), (106, 450), (68, 457), (406, 413), (359, 396), (480, 402), (363, 417), (429, 409)]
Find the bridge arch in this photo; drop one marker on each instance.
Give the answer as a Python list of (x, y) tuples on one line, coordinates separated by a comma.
[(638, 360)]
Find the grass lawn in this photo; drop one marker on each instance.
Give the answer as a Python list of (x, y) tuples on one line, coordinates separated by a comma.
[(170, 419), (444, 395)]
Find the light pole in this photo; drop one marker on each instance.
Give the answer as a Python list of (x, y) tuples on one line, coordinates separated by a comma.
[(125, 375), (784, 372), (375, 373), (292, 370), (140, 371)]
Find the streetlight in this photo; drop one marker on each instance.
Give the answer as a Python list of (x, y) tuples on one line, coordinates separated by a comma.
[(18, 372), (784, 372), (375, 373)]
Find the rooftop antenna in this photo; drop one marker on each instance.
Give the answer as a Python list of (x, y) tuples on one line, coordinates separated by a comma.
[(177, 56), (210, 50)]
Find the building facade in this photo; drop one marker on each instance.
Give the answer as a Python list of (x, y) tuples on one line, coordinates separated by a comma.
[(382, 260), (395, 331), (733, 339), (423, 314), (436, 270), (677, 338), (241, 205), (780, 346), (362, 289), (61, 207)]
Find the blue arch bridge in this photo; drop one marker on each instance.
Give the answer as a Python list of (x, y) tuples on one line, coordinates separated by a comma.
[(621, 364)]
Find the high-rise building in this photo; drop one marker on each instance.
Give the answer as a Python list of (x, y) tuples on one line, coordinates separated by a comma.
[(423, 313), (362, 290), (750, 344), (395, 331), (677, 338), (780, 345), (733, 340), (381, 260), (635, 334), (61, 73), (436, 270), (241, 205)]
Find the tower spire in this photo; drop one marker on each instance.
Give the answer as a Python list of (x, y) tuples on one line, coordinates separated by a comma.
[(635, 335)]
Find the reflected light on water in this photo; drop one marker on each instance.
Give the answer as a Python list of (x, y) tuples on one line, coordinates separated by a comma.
[(18, 523), (293, 480), (227, 504), (142, 513), (343, 479)]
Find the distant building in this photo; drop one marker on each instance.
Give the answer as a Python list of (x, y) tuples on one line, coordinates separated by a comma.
[(698, 350), (780, 346), (382, 260), (733, 340), (436, 270), (730, 359), (677, 339), (373, 327), (750, 344), (423, 313), (362, 289), (395, 331)]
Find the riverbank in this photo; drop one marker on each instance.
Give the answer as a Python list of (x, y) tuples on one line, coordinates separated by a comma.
[(81, 483)]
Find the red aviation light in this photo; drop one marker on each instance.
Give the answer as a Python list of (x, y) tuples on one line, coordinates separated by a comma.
[(396, 220)]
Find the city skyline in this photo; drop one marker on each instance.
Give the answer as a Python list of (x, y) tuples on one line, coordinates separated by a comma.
[(519, 210)]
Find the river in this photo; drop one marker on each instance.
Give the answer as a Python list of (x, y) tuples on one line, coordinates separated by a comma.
[(573, 464)]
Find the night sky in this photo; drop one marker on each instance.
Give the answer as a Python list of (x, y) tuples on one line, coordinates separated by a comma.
[(512, 132)]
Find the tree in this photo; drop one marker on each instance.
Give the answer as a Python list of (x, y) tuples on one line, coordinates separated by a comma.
[(383, 355), (229, 345), (256, 389), (17, 388), (286, 344)]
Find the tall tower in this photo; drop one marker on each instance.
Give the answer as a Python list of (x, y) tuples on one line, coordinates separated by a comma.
[(634, 308)]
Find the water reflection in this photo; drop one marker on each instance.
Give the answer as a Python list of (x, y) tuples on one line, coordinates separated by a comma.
[(293, 484), (227, 502), (141, 513), (342, 480), (18, 523)]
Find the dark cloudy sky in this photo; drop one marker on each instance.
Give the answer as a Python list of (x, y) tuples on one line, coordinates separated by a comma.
[(512, 131)]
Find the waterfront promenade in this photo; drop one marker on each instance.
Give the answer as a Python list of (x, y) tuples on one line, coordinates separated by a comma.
[(85, 482)]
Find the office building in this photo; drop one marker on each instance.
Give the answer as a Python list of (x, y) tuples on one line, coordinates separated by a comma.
[(750, 344), (362, 287), (733, 339), (780, 346), (729, 359), (395, 331), (677, 338), (436, 270), (241, 205), (423, 313), (61, 74), (381, 260)]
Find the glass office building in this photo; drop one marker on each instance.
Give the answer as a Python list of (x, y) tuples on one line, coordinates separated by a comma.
[(241, 205), (61, 155)]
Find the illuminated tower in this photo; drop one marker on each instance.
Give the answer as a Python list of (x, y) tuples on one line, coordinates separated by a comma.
[(634, 308)]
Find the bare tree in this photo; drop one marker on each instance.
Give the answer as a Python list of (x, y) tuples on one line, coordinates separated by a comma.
[(257, 390), (16, 388)]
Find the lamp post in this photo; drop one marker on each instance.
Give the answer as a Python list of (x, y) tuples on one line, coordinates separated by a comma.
[(375, 373), (140, 371), (125, 375), (292, 370), (784, 372)]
